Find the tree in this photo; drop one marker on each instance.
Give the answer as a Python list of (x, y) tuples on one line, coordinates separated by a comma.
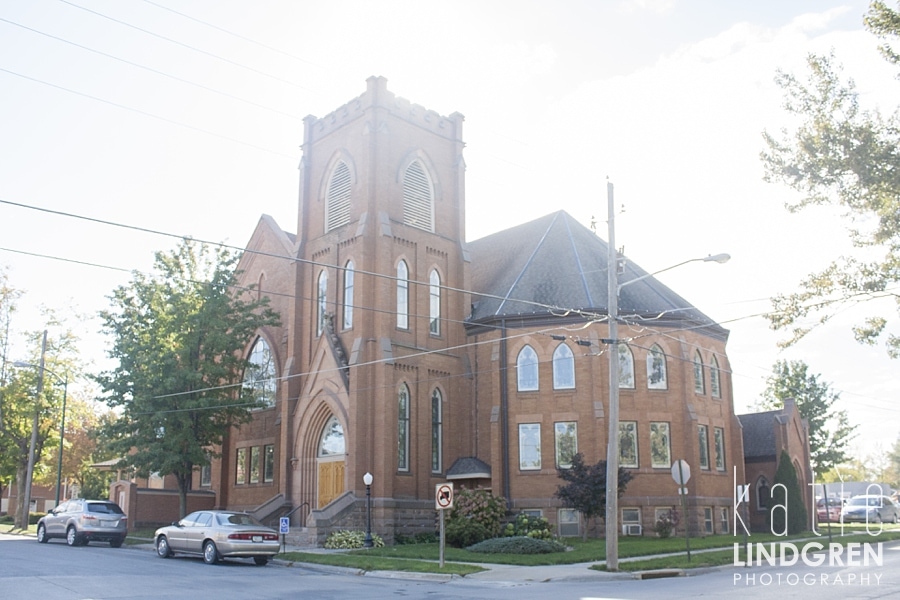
[(830, 432), (789, 495), (845, 156), (178, 336), (585, 488)]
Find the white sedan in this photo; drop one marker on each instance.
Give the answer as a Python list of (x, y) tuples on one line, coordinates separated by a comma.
[(218, 534)]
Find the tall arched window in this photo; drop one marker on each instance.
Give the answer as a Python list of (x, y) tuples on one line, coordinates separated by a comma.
[(403, 429), (348, 294), (321, 301), (563, 368), (527, 369), (699, 384), (418, 197), (762, 493), (434, 304), (402, 295), (626, 367), (332, 441), (715, 387), (437, 431), (259, 375), (337, 197), (656, 369)]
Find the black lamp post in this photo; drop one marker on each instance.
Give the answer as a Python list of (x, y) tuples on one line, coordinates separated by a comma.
[(367, 479)]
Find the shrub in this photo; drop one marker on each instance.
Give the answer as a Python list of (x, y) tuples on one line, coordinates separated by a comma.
[(666, 524), (480, 506), (530, 526), (349, 540), (517, 545), (420, 538), (462, 532)]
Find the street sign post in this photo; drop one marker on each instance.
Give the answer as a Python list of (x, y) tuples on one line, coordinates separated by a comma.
[(284, 527), (443, 499), (681, 473)]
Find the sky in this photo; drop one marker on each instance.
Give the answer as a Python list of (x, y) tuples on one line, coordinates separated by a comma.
[(185, 118)]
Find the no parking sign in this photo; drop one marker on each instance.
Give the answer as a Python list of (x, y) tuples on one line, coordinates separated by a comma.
[(443, 496)]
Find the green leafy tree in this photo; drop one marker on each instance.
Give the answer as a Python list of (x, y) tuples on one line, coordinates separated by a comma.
[(585, 487), (177, 340), (794, 518), (842, 155), (830, 432)]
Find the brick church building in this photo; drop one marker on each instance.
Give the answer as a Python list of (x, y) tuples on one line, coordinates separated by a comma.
[(408, 352)]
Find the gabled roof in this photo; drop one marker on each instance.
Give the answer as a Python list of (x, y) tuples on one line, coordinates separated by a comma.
[(555, 261), (469, 467), (759, 433)]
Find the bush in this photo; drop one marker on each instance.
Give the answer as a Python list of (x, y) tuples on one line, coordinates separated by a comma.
[(666, 524), (419, 538), (480, 506), (349, 540), (529, 526), (517, 545), (462, 532)]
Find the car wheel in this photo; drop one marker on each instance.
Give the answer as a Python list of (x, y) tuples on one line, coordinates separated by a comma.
[(116, 543), (260, 560), (162, 547), (42, 534), (210, 553), (72, 537)]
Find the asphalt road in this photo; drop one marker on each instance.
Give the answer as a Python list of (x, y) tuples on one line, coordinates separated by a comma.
[(54, 571)]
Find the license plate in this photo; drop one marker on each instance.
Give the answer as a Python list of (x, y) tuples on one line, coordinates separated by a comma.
[(257, 538), (108, 523)]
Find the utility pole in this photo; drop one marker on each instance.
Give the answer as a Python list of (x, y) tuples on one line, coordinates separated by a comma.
[(612, 448), (29, 473)]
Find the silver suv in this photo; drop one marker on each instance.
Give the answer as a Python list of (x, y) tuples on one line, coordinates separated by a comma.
[(82, 521)]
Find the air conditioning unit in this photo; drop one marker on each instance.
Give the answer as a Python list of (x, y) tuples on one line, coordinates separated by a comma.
[(631, 529)]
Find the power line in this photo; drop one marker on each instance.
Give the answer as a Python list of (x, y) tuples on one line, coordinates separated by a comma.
[(152, 70), (188, 46), (147, 114)]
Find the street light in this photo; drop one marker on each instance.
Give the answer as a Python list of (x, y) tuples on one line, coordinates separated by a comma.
[(612, 448), (62, 423), (367, 479)]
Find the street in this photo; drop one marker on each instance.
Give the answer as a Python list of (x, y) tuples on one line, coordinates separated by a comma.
[(54, 571)]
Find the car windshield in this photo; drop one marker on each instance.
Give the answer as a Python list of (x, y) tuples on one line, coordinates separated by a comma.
[(104, 507), (236, 519), (865, 501)]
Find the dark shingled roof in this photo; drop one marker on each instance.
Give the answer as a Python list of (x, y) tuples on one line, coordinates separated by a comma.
[(556, 261), (469, 467), (759, 433)]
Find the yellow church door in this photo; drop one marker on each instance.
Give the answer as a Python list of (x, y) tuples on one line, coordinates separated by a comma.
[(331, 480)]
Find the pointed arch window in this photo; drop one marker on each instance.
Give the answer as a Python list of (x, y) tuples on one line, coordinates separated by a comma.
[(259, 375), (402, 295), (656, 369), (337, 197), (699, 384), (626, 367), (715, 387), (332, 443), (437, 431), (403, 429), (434, 304), (418, 197), (527, 370), (563, 368), (762, 493), (349, 275), (321, 301)]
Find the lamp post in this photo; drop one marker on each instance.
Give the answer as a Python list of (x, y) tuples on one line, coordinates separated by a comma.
[(367, 479), (612, 447), (62, 421)]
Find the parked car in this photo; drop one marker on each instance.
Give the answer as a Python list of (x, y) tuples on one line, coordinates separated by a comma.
[(830, 512), (870, 508), (218, 534), (81, 521)]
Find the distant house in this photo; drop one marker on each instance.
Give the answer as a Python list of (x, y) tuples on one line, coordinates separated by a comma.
[(766, 435)]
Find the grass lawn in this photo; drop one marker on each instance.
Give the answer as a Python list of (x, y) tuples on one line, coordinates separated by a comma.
[(424, 557)]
